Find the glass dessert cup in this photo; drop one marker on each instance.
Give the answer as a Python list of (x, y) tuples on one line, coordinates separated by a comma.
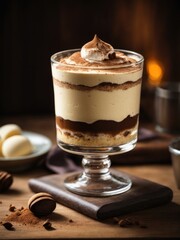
[(96, 179)]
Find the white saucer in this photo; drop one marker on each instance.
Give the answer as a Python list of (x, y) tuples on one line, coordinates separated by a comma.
[(41, 146)]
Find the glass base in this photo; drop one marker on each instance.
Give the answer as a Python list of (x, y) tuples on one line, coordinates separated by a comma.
[(106, 185), (96, 179)]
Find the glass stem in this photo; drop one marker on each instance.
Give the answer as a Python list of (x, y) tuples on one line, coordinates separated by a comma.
[(96, 179), (96, 166)]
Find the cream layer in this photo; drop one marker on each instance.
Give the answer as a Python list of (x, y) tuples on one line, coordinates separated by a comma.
[(94, 77), (93, 105)]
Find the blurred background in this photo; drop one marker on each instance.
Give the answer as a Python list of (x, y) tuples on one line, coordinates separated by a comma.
[(31, 31)]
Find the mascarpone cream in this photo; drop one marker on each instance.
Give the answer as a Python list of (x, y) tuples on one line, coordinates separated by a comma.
[(97, 50)]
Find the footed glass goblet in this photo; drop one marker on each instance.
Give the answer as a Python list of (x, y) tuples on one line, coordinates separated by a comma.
[(97, 115)]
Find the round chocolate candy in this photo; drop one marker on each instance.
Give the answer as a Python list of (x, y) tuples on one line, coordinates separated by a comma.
[(41, 204), (6, 181)]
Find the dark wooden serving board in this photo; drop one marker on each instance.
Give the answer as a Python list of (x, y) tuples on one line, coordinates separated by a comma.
[(143, 194)]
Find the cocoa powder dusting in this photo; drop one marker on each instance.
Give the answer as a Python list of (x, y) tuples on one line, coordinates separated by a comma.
[(24, 216)]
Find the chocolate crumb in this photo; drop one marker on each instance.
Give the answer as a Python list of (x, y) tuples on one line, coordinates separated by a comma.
[(48, 225), (8, 225), (128, 222), (124, 223), (12, 208), (71, 221)]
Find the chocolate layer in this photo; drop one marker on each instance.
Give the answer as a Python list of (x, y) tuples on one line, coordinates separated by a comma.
[(104, 86), (100, 126)]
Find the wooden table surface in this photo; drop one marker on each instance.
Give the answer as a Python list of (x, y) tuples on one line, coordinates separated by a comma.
[(161, 222)]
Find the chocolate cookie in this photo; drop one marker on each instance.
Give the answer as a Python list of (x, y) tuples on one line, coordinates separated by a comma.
[(6, 180), (41, 204)]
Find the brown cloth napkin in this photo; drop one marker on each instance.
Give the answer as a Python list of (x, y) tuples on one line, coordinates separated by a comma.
[(61, 162), (146, 134)]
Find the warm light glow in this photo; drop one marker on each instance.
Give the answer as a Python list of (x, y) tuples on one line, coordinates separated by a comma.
[(155, 72)]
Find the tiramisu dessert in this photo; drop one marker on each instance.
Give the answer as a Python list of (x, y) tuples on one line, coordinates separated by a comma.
[(97, 95)]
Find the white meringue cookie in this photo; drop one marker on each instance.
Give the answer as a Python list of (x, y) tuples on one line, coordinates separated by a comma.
[(16, 146), (9, 130)]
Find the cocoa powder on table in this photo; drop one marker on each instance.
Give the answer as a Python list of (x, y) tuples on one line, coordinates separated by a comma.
[(24, 216)]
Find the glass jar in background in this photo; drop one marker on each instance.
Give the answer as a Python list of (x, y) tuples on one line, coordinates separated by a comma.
[(167, 107)]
